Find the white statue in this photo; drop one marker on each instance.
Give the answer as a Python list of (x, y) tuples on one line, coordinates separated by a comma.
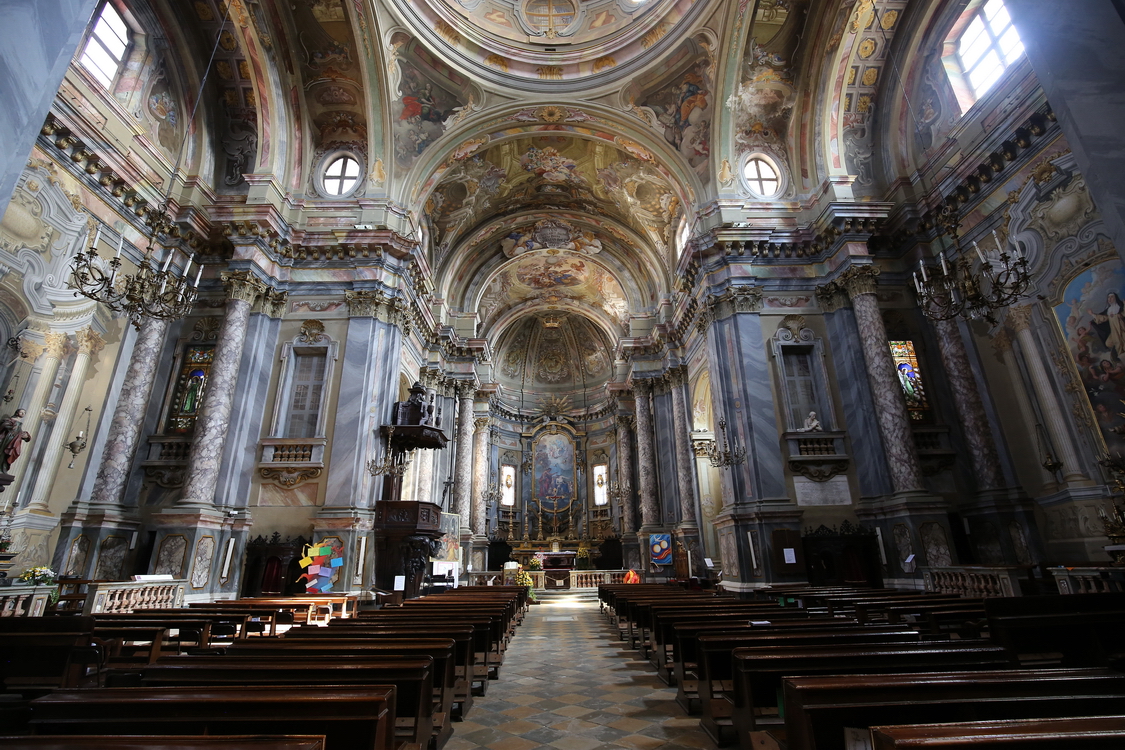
[(812, 424)]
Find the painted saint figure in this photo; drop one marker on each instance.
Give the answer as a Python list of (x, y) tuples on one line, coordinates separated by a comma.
[(12, 438), (1110, 324)]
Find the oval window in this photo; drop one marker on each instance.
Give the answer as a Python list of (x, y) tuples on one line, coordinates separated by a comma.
[(341, 175), (761, 176)]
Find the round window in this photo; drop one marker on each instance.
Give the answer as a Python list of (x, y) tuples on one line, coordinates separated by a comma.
[(551, 16), (762, 177), (341, 175)]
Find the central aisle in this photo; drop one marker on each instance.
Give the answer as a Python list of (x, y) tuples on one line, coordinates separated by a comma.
[(568, 683)]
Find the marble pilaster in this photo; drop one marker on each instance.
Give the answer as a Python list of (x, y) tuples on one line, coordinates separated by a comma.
[(646, 458), (970, 408), (890, 408), (462, 468), (479, 515), (128, 417), (202, 474), (1019, 318), (684, 467), (56, 347), (625, 474), (424, 461), (89, 344)]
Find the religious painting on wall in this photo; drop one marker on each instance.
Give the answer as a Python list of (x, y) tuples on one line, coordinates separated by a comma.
[(191, 387), (554, 472), (449, 545), (1092, 317)]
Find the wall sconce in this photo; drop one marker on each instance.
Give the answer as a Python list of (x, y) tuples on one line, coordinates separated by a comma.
[(78, 445)]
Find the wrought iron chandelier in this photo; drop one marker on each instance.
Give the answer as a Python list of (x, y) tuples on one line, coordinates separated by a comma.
[(727, 457), (954, 288), (394, 462), (155, 290)]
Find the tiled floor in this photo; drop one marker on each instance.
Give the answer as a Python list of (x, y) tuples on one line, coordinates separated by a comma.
[(568, 683)]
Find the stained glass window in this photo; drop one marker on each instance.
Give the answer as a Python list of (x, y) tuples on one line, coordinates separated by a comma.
[(910, 378), (507, 485), (191, 388), (601, 484)]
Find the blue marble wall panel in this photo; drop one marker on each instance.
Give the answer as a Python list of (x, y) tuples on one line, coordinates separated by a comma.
[(665, 454), (37, 40), (248, 412), (858, 408)]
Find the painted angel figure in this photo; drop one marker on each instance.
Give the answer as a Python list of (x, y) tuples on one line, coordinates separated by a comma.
[(12, 438)]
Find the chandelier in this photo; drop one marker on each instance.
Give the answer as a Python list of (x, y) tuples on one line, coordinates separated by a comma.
[(394, 462), (727, 457), (618, 491), (953, 288)]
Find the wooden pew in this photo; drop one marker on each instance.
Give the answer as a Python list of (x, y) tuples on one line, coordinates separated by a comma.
[(488, 636), (1088, 733), (33, 662), (132, 645), (461, 635), (348, 716), (818, 709), (1084, 629), (163, 742), (442, 651), (758, 672), (412, 677)]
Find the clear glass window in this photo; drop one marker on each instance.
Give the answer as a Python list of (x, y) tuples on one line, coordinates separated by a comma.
[(105, 48), (601, 484), (761, 177), (508, 485), (800, 385), (341, 175), (988, 46), (306, 395)]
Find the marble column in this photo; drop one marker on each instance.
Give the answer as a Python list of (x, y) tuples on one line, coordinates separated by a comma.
[(202, 474), (128, 417), (890, 407), (479, 515), (56, 347), (1019, 318), (625, 474), (1002, 346), (684, 468), (646, 458), (89, 344), (462, 468), (970, 408)]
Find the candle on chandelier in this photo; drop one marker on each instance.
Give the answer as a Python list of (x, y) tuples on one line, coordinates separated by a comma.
[(167, 262), (917, 286), (187, 268), (944, 268), (979, 253), (120, 245), (97, 236), (922, 268), (198, 275)]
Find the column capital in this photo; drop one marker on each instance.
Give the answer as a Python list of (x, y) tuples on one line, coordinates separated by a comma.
[(89, 342), (466, 389), (643, 386), (30, 350), (859, 280), (676, 376), (1002, 341), (274, 303), (482, 423), (57, 344), (242, 285), (1019, 318), (831, 296), (625, 422)]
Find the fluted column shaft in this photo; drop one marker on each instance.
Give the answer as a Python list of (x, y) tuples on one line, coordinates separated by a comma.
[(646, 458), (57, 345), (89, 344), (202, 474), (625, 475), (463, 461), (684, 468), (1054, 421), (890, 407), (479, 520), (128, 417), (970, 407)]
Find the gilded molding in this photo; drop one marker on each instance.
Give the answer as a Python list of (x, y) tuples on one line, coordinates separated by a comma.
[(1019, 318), (89, 342), (859, 280), (312, 331), (274, 303), (242, 285)]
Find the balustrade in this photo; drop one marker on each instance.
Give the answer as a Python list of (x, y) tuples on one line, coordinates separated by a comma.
[(975, 581), (25, 601), (1089, 580), (130, 596)]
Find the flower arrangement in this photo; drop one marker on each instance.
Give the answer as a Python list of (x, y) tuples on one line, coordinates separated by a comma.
[(535, 563), (38, 576), (523, 578)]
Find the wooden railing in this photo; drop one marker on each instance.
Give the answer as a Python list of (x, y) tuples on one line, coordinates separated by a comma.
[(25, 601), (1089, 580), (978, 581), (130, 596)]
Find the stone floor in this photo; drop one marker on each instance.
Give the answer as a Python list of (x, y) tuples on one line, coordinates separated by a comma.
[(568, 683)]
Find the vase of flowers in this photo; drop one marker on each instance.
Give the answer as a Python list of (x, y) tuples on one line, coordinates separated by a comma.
[(38, 576), (523, 578)]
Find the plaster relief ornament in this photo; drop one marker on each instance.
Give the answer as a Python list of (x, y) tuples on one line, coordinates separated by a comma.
[(12, 438)]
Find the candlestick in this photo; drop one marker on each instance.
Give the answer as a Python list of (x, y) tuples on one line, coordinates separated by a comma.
[(979, 253), (97, 236), (922, 268), (944, 268), (120, 245)]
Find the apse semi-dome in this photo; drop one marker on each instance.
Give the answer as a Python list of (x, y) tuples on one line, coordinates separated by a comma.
[(553, 41)]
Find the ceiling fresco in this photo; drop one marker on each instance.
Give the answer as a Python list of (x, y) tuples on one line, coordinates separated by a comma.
[(555, 354), (430, 95), (552, 173), (552, 280)]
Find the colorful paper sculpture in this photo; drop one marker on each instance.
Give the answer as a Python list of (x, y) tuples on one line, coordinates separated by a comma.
[(660, 545), (320, 562)]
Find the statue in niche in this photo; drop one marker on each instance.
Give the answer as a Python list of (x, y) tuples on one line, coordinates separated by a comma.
[(12, 438), (812, 424)]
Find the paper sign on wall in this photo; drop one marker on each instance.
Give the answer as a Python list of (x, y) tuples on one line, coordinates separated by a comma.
[(790, 555), (400, 583), (709, 562)]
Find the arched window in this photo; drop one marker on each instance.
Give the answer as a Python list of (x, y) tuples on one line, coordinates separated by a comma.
[(105, 49), (981, 46), (341, 175)]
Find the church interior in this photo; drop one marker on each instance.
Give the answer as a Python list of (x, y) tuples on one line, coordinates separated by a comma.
[(381, 299)]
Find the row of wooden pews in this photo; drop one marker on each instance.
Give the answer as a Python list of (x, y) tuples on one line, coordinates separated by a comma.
[(393, 679), (833, 668)]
